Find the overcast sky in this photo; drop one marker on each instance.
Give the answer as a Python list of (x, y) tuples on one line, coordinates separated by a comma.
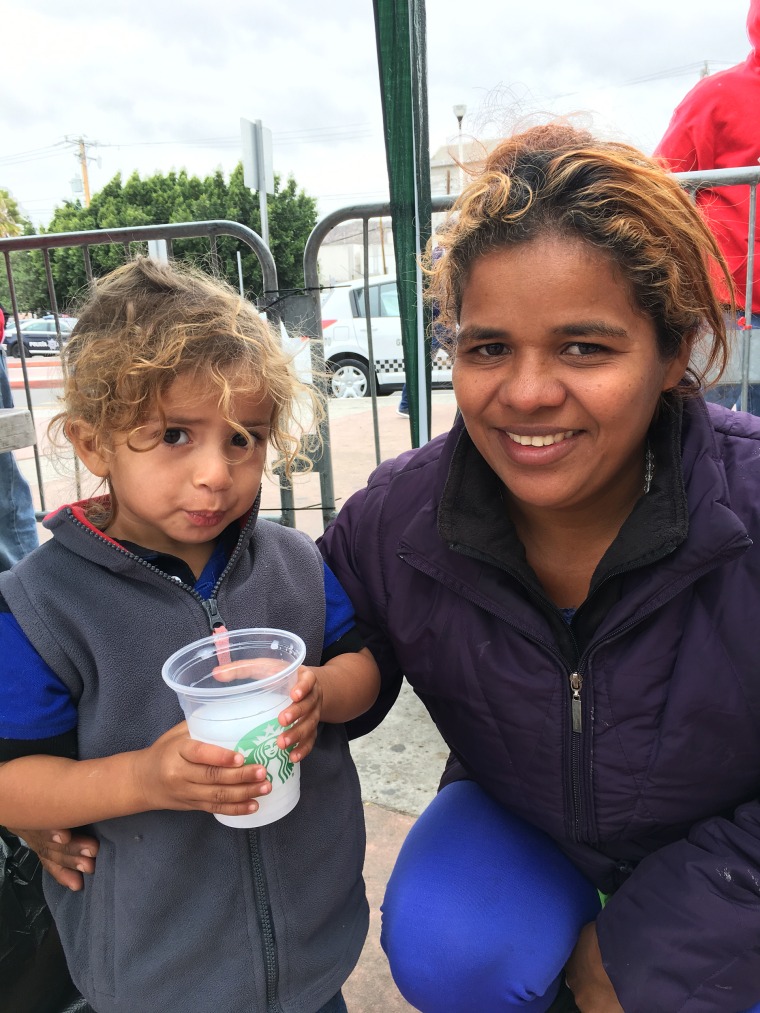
[(158, 85)]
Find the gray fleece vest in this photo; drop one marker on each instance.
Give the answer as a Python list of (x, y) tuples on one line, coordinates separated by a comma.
[(183, 914)]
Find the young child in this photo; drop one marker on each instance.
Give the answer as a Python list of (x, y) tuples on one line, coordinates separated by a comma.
[(173, 388)]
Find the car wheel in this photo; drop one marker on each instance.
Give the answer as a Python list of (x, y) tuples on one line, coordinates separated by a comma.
[(16, 351), (349, 378)]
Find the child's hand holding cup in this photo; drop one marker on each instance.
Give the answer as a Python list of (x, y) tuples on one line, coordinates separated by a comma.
[(232, 687)]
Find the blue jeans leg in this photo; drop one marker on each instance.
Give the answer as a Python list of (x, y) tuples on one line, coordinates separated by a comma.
[(729, 394), (404, 402), (18, 528), (481, 910)]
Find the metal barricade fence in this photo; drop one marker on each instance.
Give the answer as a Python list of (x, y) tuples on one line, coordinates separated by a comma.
[(17, 428), (744, 368), (304, 310)]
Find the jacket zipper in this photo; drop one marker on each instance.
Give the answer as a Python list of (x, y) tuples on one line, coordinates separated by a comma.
[(263, 907), (576, 685), (576, 742), (575, 679)]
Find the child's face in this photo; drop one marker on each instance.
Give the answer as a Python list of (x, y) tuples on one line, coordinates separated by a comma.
[(180, 495)]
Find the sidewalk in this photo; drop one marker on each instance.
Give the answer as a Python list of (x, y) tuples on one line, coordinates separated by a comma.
[(370, 988)]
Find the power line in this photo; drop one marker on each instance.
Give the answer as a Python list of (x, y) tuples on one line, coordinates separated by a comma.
[(36, 156), (659, 75)]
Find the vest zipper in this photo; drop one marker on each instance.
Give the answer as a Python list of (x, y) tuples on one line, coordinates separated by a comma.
[(263, 907), (211, 609)]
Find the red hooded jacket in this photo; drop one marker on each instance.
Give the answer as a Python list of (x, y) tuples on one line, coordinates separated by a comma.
[(717, 126)]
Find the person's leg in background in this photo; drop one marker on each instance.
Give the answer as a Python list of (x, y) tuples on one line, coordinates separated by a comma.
[(753, 392), (730, 394), (403, 405), (18, 527), (482, 910)]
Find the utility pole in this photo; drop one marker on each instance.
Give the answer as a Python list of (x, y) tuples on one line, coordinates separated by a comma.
[(459, 112), (81, 154), (85, 177), (382, 244)]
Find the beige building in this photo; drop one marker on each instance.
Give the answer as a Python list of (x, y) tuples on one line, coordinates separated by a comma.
[(341, 257), (445, 164)]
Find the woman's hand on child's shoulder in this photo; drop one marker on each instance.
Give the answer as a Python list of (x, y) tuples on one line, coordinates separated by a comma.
[(301, 718), (181, 773)]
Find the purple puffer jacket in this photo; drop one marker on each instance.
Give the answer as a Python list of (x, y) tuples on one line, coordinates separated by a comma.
[(656, 786)]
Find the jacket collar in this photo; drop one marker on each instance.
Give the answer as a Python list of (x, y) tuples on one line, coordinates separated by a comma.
[(684, 524), (71, 528), (472, 516)]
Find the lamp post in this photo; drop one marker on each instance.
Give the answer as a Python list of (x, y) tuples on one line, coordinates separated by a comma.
[(459, 112)]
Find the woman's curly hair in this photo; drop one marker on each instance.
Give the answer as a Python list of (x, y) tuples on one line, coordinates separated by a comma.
[(556, 180), (147, 323)]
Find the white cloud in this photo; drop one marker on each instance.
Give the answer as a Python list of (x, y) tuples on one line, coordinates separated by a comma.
[(163, 85)]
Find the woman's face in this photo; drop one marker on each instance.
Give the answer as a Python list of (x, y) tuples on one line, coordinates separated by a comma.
[(557, 375)]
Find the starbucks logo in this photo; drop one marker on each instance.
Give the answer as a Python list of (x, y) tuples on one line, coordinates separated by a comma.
[(259, 745)]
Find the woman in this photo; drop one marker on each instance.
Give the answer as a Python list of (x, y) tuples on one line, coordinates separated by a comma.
[(568, 580)]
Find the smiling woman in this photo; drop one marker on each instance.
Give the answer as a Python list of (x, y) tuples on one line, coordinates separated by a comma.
[(559, 399), (570, 581)]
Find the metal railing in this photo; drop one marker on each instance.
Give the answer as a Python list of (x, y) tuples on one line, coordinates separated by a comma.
[(311, 319), (125, 237), (748, 176), (306, 308)]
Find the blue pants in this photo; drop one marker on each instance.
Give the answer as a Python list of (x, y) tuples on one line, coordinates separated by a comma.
[(18, 528), (482, 910)]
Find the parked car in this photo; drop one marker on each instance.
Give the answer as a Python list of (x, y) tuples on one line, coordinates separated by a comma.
[(344, 328), (39, 336)]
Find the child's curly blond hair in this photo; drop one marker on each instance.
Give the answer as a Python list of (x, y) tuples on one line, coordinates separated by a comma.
[(147, 323)]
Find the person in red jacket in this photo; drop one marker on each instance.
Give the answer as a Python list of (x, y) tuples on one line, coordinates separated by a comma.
[(717, 126)]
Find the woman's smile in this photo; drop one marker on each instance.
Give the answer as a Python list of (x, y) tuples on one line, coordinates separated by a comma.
[(540, 439), (539, 450)]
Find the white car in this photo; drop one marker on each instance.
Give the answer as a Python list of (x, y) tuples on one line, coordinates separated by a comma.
[(344, 327)]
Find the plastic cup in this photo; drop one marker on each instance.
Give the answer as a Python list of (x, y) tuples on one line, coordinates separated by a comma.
[(232, 686)]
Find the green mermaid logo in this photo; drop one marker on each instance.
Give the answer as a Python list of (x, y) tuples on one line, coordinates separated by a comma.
[(259, 745)]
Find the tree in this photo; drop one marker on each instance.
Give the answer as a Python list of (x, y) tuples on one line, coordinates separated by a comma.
[(11, 219), (179, 197), (26, 265)]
